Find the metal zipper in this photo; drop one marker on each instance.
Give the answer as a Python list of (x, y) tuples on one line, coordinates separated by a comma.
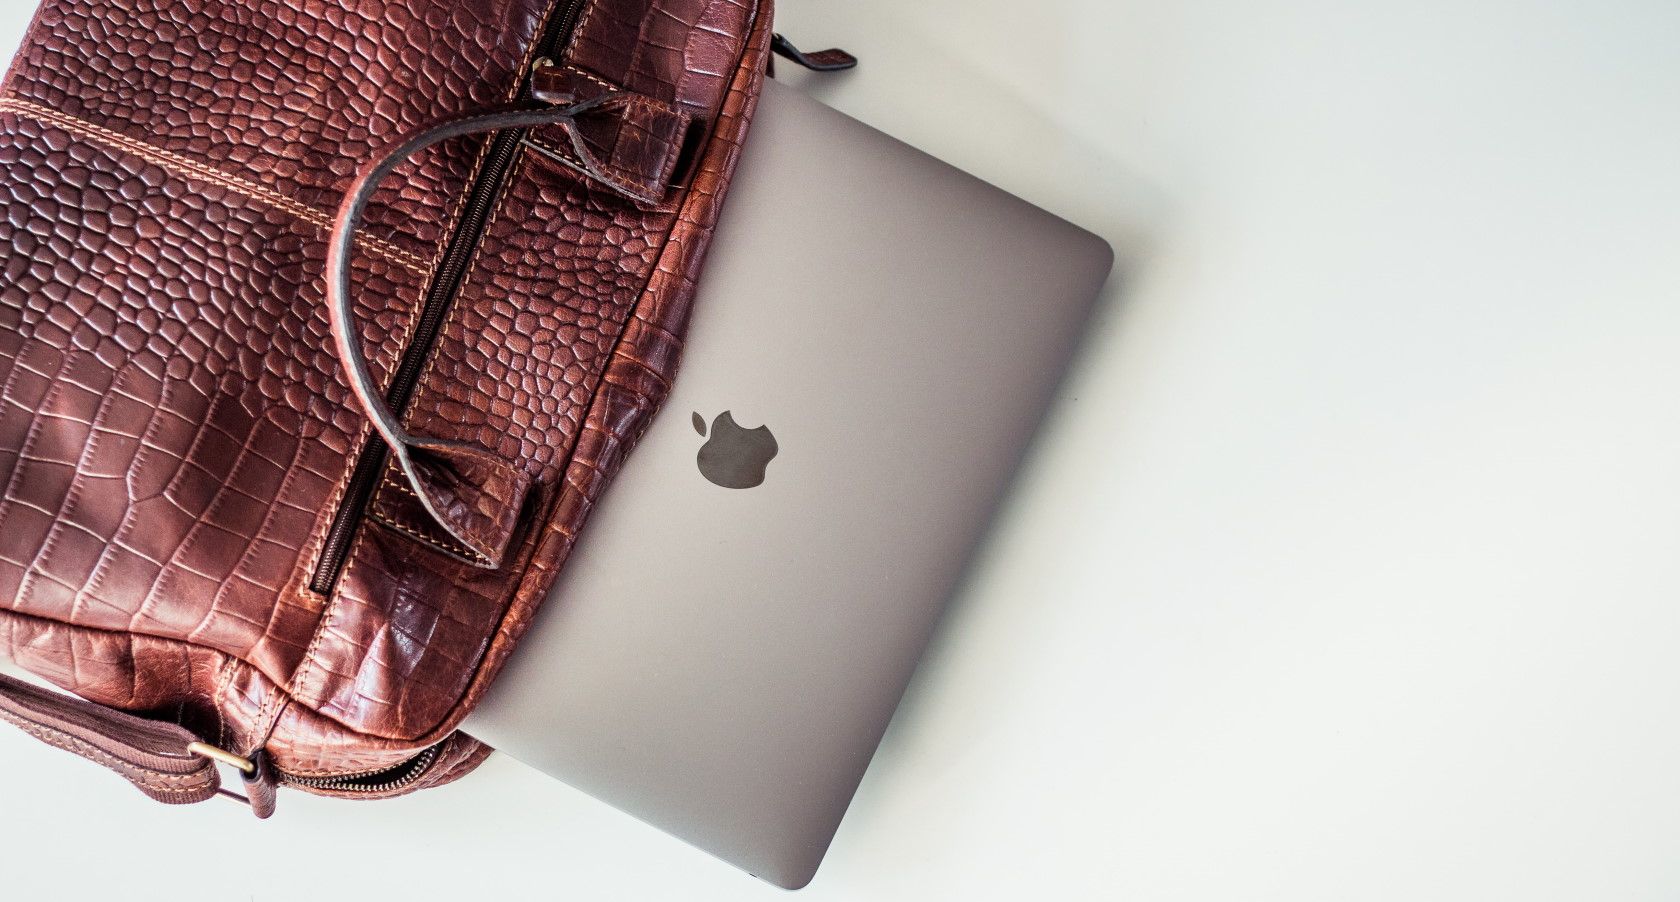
[(481, 198), (382, 780)]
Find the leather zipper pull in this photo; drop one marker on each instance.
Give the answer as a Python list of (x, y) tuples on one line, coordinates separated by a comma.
[(262, 784), (831, 60)]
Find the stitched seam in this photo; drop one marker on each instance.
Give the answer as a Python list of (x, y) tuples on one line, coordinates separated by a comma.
[(437, 543), (664, 247), (174, 161), (531, 51), (271, 709), (579, 30), (329, 611), (641, 46), (283, 698), (455, 305), (467, 273), (741, 76), (457, 550), (190, 169), (519, 76), (218, 697), (139, 776), (484, 150), (573, 68), (388, 482), (629, 96), (401, 488), (479, 536), (453, 220), (267, 529), (309, 661), (684, 197), (608, 176), (667, 159), (304, 593), (329, 614), (437, 259), (563, 157)]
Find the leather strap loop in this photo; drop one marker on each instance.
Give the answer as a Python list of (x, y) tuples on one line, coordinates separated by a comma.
[(150, 754), (472, 495), (628, 142)]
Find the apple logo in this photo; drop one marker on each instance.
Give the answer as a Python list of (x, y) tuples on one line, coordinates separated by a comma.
[(734, 457)]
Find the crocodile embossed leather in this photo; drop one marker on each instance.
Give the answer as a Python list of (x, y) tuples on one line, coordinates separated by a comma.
[(322, 326)]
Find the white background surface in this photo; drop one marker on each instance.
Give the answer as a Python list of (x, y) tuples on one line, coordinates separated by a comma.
[(1347, 568)]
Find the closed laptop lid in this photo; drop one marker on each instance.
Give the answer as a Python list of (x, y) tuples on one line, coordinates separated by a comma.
[(874, 342)]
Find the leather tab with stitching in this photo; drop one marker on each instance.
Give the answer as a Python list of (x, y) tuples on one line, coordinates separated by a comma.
[(630, 141)]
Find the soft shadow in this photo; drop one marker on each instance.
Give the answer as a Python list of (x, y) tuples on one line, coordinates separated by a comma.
[(1018, 145)]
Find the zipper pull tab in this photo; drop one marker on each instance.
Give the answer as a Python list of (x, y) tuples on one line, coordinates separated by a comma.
[(831, 60), (257, 773)]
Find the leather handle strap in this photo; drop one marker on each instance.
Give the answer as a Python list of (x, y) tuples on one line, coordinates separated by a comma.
[(624, 141), (156, 757)]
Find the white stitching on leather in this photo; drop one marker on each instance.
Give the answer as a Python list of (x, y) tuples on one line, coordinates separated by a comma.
[(192, 169), (129, 772), (456, 550)]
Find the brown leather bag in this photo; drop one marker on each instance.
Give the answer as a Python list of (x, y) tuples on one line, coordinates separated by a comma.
[(322, 326)]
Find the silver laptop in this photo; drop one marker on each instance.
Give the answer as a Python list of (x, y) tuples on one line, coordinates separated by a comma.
[(875, 339)]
